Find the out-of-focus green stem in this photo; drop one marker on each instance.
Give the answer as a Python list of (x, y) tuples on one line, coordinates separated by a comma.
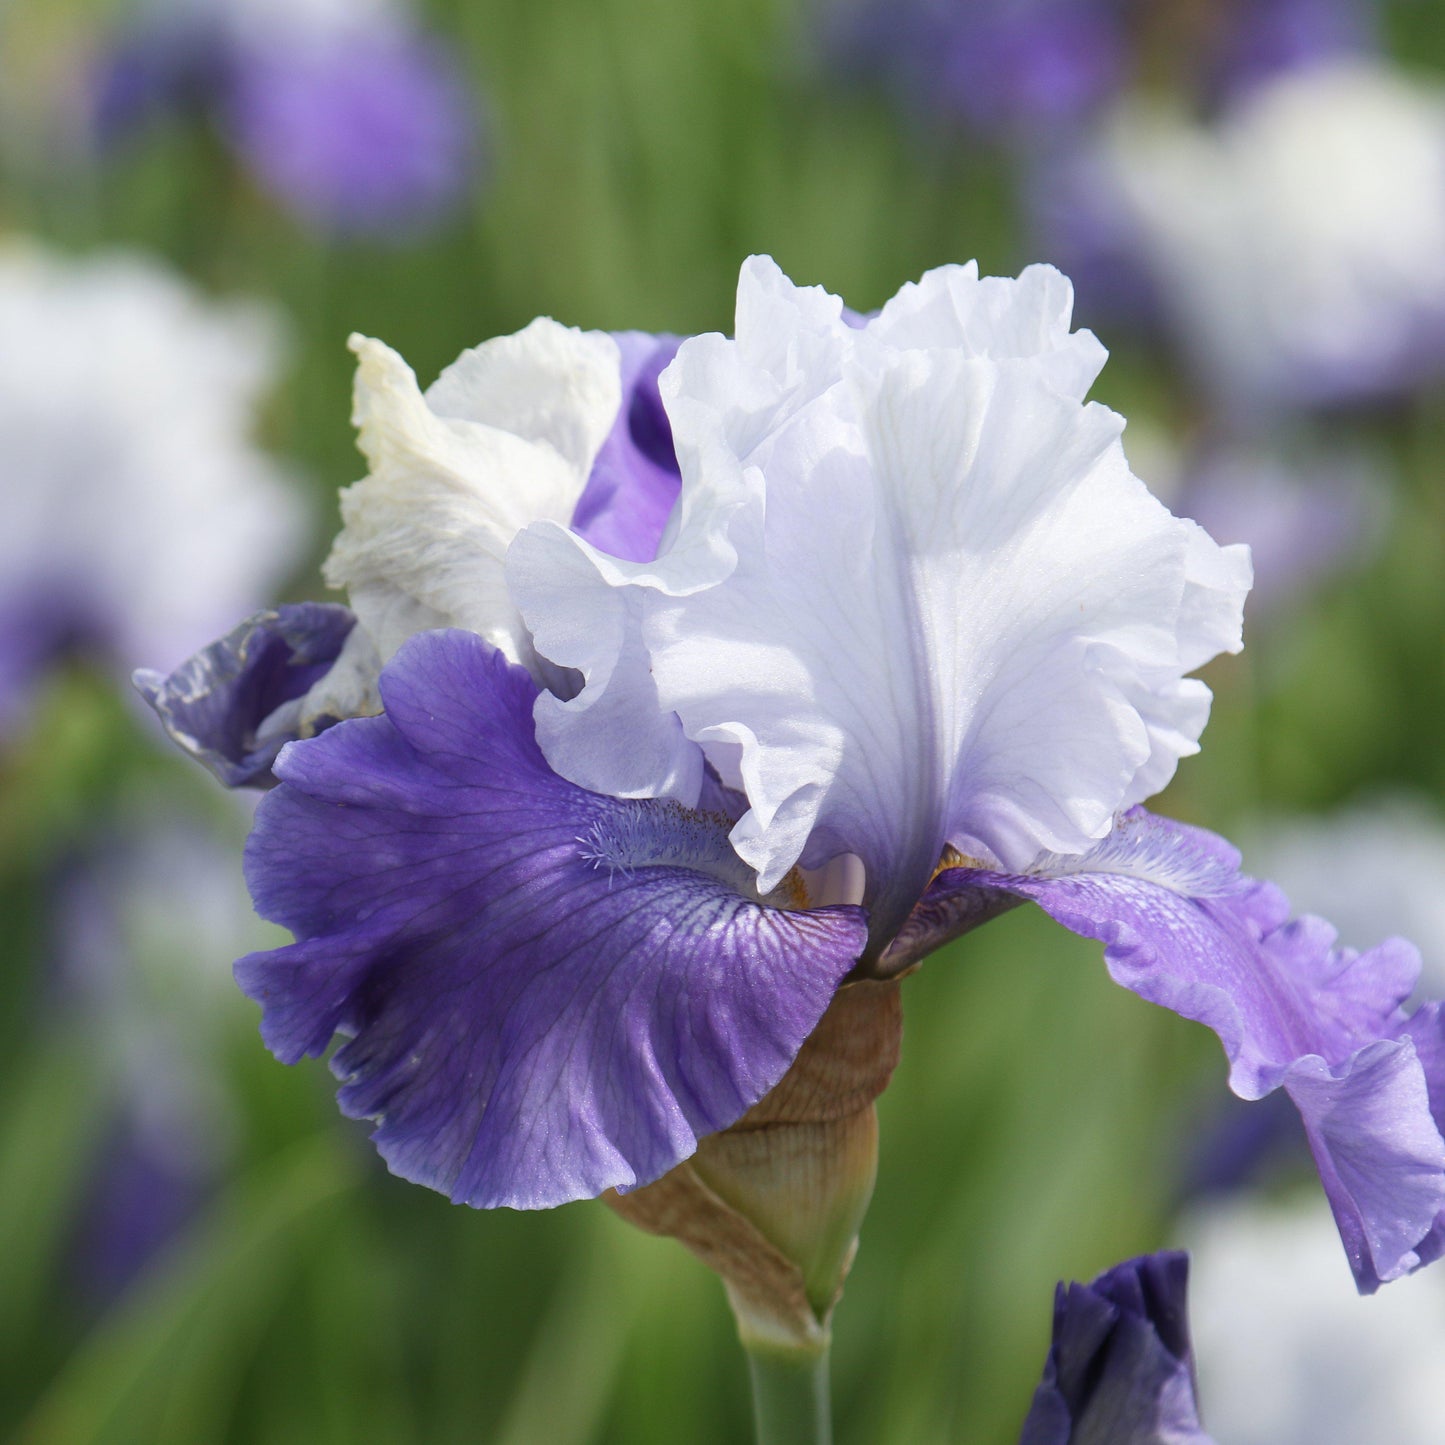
[(790, 1397)]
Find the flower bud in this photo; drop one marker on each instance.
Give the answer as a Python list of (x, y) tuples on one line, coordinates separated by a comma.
[(773, 1204)]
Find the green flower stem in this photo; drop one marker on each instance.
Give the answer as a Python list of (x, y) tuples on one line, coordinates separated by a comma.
[(790, 1397)]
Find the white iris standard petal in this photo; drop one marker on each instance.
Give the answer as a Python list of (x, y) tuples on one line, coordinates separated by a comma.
[(912, 595), (954, 307), (505, 436)]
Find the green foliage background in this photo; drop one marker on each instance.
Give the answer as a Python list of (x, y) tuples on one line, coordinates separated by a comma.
[(638, 150)]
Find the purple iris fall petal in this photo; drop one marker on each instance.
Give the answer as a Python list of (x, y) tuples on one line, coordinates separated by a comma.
[(547, 992), (370, 132), (1183, 928), (1120, 1370), (216, 704), (635, 478)]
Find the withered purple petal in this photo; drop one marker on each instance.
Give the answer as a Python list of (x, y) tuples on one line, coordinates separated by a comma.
[(215, 703)]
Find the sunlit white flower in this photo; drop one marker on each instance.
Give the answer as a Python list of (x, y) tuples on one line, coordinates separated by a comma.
[(506, 435)]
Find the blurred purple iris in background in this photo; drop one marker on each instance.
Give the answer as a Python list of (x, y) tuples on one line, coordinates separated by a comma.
[(995, 65), (1259, 39), (1289, 266), (144, 920), (354, 119), (1306, 516), (1028, 67)]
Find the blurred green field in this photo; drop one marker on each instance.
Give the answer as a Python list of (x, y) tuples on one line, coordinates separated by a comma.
[(638, 150)]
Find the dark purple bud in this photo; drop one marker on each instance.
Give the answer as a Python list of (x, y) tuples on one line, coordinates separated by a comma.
[(1120, 1370)]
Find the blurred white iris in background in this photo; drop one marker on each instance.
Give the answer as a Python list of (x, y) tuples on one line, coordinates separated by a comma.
[(137, 515)]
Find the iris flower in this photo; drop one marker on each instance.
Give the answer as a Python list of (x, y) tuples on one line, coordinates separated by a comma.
[(694, 698)]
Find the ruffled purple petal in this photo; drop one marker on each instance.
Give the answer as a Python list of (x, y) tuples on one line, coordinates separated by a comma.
[(635, 478), (215, 704), (1120, 1370), (1183, 928), (548, 992)]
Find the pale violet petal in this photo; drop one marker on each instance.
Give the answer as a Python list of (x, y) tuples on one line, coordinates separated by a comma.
[(1211, 621), (909, 596), (596, 630), (1025, 572), (584, 610), (789, 345), (1183, 928)]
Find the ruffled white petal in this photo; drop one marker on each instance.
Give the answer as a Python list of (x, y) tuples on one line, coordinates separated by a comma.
[(547, 383), (506, 436), (596, 629), (912, 594), (953, 307)]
